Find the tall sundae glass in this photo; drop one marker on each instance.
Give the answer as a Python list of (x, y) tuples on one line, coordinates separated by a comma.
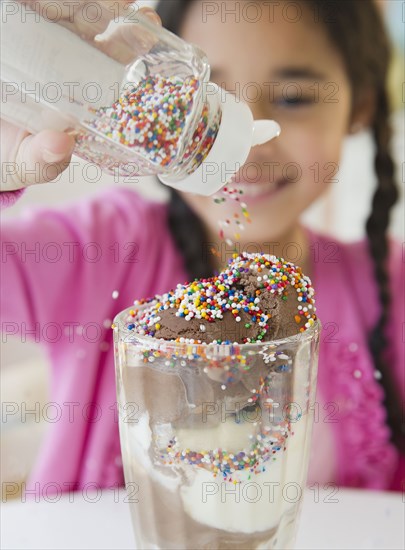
[(215, 437)]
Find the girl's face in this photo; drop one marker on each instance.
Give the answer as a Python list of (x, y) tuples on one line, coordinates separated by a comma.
[(284, 66)]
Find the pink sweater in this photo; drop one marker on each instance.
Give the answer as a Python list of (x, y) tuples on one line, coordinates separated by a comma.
[(60, 268)]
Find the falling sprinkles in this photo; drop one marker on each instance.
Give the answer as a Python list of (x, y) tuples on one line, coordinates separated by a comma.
[(235, 195)]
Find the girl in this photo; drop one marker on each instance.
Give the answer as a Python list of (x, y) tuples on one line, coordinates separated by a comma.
[(338, 74)]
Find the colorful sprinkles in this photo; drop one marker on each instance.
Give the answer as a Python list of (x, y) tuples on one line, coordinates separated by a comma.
[(208, 299), (220, 462), (152, 119), (235, 195), (266, 442)]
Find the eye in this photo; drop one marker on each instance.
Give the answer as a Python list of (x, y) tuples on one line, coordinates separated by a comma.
[(294, 102)]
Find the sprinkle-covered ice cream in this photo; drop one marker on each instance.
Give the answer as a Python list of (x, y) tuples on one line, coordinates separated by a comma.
[(256, 298), (222, 399)]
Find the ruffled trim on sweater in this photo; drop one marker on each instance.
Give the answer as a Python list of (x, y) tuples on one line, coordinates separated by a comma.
[(365, 450)]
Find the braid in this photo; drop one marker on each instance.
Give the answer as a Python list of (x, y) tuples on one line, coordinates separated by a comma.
[(368, 70), (189, 236), (384, 198)]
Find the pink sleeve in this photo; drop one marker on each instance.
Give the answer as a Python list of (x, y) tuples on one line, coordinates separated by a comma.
[(8, 198), (59, 267)]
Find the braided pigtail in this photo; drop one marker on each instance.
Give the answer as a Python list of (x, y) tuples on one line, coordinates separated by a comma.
[(384, 198), (367, 71)]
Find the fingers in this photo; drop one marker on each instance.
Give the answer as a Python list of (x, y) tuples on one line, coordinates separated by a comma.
[(126, 43), (90, 19), (87, 18), (38, 159), (152, 15), (128, 40), (93, 17)]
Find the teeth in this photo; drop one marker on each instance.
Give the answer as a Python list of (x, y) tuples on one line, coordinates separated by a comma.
[(255, 189)]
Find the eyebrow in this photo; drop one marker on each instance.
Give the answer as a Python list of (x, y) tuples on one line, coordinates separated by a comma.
[(300, 73)]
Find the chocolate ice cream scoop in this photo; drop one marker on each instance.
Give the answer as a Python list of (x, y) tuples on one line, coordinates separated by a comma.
[(256, 298)]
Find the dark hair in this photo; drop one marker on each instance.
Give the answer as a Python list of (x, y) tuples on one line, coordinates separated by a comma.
[(352, 26)]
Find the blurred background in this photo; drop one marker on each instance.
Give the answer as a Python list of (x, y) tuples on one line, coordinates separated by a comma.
[(340, 213)]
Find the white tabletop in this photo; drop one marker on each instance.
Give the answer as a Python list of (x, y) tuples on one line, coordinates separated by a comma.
[(343, 519)]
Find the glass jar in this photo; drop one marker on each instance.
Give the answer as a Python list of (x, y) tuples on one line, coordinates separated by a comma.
[(215, 438), (143, 109)]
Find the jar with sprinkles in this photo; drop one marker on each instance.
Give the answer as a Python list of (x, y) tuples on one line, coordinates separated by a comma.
[(139, 105)]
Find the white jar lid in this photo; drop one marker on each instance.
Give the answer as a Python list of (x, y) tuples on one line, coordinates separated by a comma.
[(237, 134)]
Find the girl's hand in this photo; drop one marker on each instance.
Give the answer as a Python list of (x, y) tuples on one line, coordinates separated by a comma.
[(90, 18), (30, 159)]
